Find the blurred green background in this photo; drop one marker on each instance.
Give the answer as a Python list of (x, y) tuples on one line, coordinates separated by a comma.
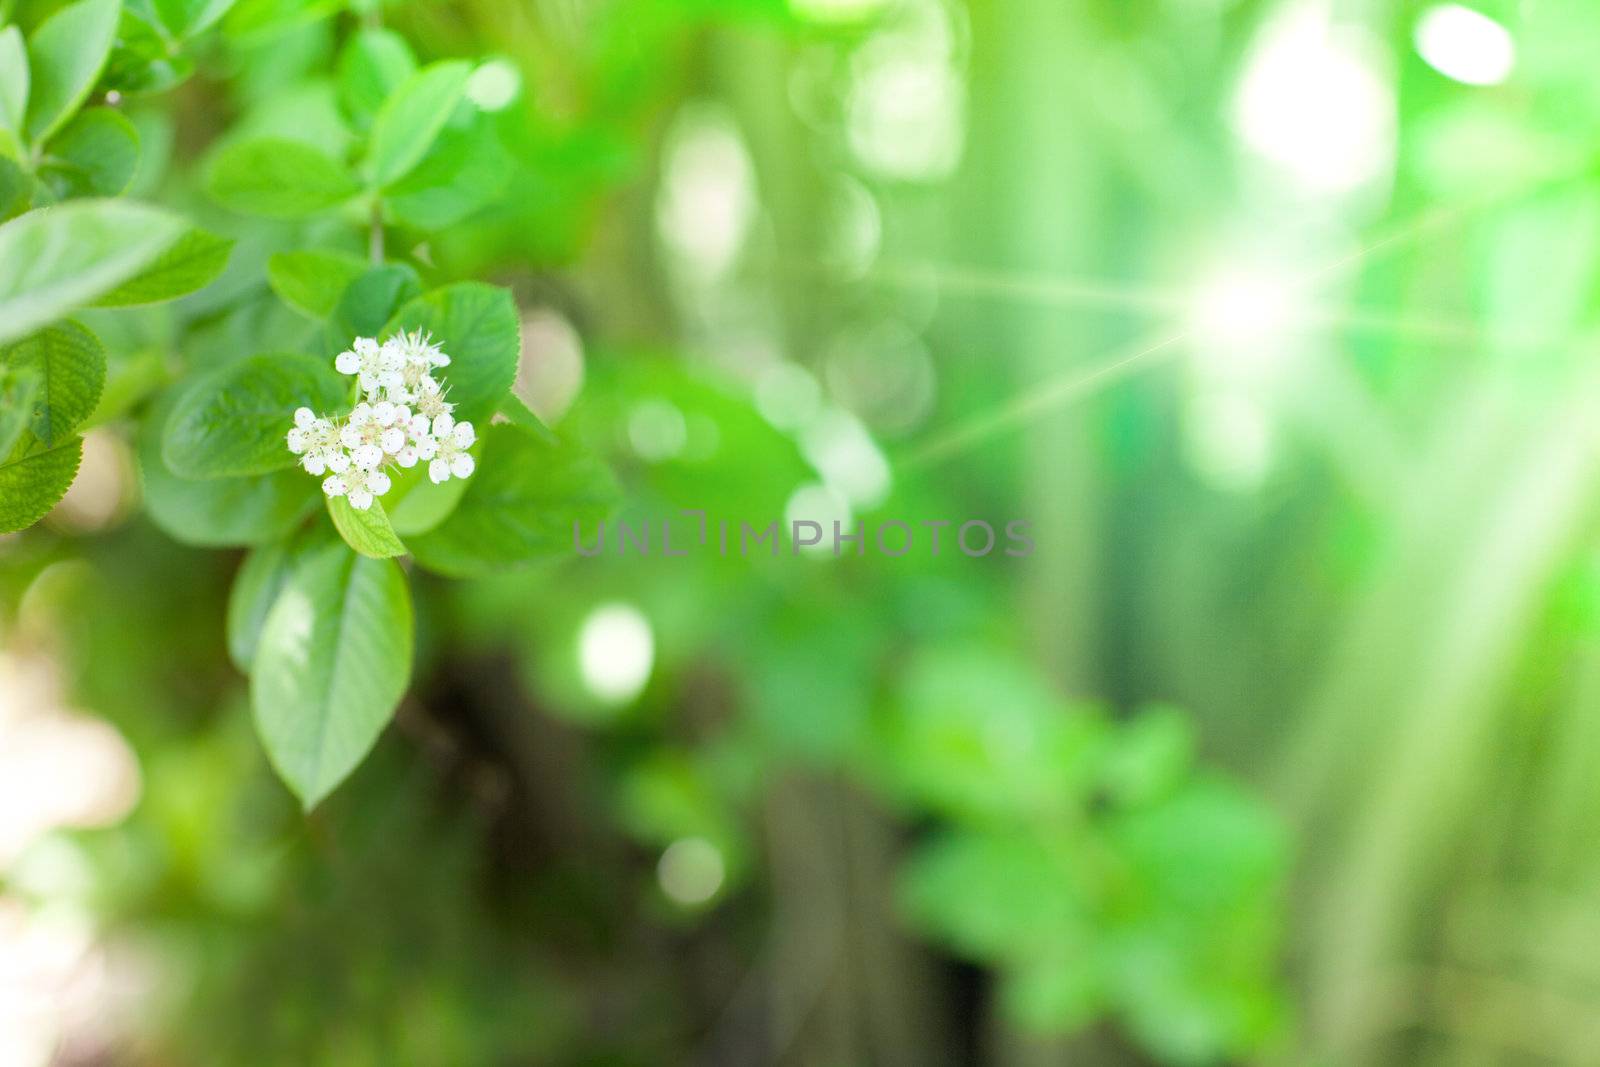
[(1274, 318)]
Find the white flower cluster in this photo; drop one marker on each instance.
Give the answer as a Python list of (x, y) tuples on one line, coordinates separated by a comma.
[(403, 418)]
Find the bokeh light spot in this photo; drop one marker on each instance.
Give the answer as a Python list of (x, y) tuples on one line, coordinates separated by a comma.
[(1317, 101), (1465, 45), (494, 85), (657, 430), (691, 871), (616, 650)]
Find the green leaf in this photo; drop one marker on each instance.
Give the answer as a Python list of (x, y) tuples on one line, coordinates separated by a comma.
[(519, 414), (233, 422), (18, 389), (13, 80), (333, 661), (256, 22), (185, 18), (987, 738), (16, 188), (191, 263), (1150, 755), (999, 895), (412, 117), (373, 65), (418, 504), (313, 281), (65, 56), (261, 578), (71, 368), (477, 326), (219, 511), (144, 60), (34, 481), (370, 300), (463, 172), (277, 178), (368, 532), (58, 259), (519, 506), (96, 154)]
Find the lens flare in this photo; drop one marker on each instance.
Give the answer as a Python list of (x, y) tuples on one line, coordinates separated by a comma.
[(1465, 45)]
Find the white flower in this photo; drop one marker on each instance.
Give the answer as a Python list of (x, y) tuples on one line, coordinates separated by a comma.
[(419, 442), (316, 442), (416, 356), (429, 399), (371, 434), (403, 419), (335, 460), (375, 366), (417, 349), (300, 434), (359, 486), (454, 438)]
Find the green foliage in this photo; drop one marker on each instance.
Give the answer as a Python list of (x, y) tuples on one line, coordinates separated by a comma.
[(520, 505), (13, 82), (69, 365), (185, 18), (34, 478), (277, 178), (1092, 863), (988, 739), (417, 504), (65, 258), (373, 65), (261, 578), (410, 119), (807, 733), (366, 530), (477, 325), (368, 302), (232, 422), (218, 511), (18, 389), (189, 264), (95, 154), (54, 378), (465, 171), (313, 281), (65, 56), (331, 663)]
